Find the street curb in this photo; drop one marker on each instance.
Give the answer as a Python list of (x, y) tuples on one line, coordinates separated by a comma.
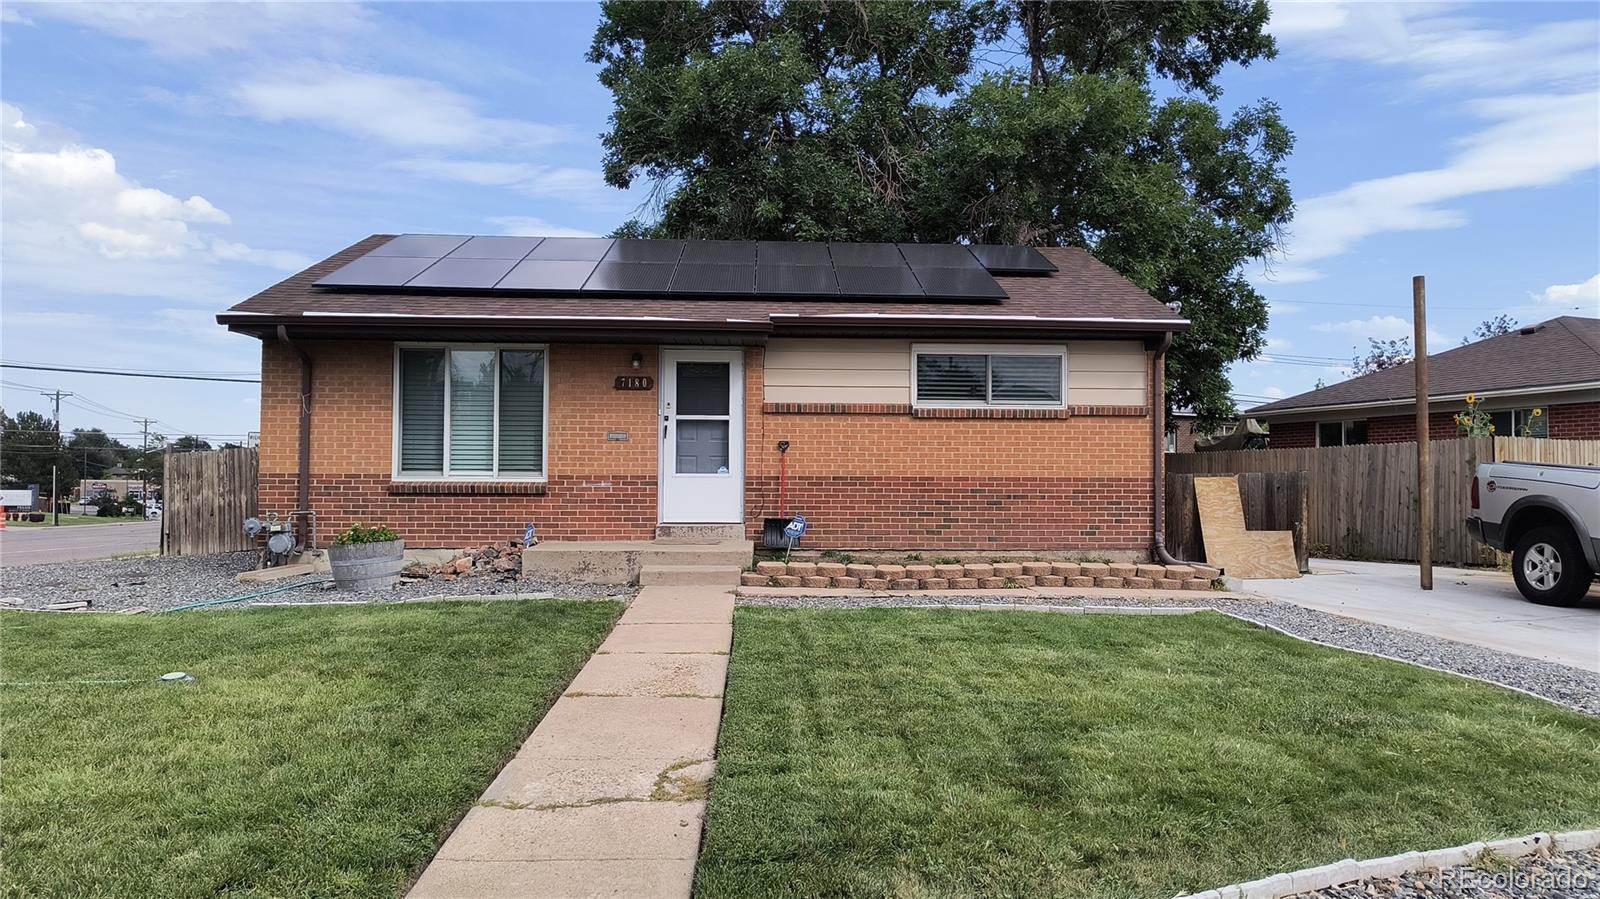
[(1349, 870)]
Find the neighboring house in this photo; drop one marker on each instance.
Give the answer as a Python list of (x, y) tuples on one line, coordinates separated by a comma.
[(1552, 367), (1184, 436), (929, 396)]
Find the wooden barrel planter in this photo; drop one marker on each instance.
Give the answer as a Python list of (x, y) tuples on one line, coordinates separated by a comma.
[(367, 566)]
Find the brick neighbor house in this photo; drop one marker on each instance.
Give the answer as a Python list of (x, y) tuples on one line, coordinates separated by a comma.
[(1553, 367), (938, 397)]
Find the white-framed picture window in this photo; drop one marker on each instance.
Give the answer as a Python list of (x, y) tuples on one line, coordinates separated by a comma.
[(470, 412), (963, 375), (1530, 422)]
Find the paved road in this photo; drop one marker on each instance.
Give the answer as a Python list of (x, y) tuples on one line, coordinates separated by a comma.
[(1468, 605), (33, 546)]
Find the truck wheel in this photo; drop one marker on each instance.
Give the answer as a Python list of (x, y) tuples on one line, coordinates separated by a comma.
[(1549, 567)]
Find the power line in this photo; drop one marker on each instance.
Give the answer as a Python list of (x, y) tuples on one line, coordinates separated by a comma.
[(158, 371), (128, 374)]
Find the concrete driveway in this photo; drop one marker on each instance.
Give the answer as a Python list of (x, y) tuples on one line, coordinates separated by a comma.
[(75, 543), (1467, 605)]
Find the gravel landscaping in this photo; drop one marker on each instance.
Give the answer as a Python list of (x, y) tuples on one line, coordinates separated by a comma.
[(1571, 687), (1560, 876), (163, 582)]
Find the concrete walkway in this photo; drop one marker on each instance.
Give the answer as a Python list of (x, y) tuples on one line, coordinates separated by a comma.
[(1471, 605), (607, 796)]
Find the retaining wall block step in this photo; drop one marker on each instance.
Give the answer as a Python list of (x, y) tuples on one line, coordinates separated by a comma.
[(874, 583), (753, 580), (949, 572), (1167, 583), (1108, 582), (1138, 583), (1180, 572), (1023, 580), (992, 583), (935, 583), (1122, 569), (1095, 569), (979, 570), (861, 571), (892, 572), (1198, 583), (847, 583), (1035, 569), (1050, 580), (1150, 571), (1007, 569), (1066, 569), (1080, 581), (1207, 572), (802, 569), (830, 569), (964, 583), (771, 569), (787, 580), (689, 575), (903, 583), (918, 572), (816, 581)]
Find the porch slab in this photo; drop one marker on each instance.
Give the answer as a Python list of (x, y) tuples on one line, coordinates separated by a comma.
[(696, 637), (612, 830), (652, 674), (620, 561), (453, 879)]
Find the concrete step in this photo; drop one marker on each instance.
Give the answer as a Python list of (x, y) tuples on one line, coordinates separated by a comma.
[(699, 532), (689, 576), (621, 561)]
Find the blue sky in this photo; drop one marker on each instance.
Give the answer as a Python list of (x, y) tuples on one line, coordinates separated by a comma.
[(162, 162)]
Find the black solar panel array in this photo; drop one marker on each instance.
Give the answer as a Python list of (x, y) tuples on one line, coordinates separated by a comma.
[(564, 265)]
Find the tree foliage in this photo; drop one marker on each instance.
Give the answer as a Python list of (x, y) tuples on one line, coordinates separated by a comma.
[(1491, 327), (1006, 121), (28, 452), (1381, 354)]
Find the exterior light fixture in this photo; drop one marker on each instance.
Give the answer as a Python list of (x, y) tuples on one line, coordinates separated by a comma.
[(638, 360)]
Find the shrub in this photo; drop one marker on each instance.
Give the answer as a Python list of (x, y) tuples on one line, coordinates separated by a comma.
[(107, 506), (358, 533), (36, 517)]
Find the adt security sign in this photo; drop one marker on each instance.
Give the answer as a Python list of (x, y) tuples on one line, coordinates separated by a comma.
[(796, 528), (527, 536)]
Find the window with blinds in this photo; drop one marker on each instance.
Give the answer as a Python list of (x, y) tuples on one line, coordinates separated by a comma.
[(1020, 377), (471, 412)]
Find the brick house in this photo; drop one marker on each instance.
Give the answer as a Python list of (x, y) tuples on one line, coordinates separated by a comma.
[(1553, 367), (929, 396)]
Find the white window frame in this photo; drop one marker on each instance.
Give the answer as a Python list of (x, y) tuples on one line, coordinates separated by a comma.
[(447, 475), (988, 349)]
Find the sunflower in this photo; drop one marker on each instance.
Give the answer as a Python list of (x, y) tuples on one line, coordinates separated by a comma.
[(1472, 399), (1538, 412)]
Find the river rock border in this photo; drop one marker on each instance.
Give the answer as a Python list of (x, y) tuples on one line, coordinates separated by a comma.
[(980, 575)]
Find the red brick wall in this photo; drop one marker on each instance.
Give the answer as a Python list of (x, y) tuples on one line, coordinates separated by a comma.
[(881, 478), (1292, 435), (1575, 421), (1403, 428), (1572, 421)]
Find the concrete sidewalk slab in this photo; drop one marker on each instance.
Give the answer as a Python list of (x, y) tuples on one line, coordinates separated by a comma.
[(613, 830), (448, 879), (627, 727), (534, 781), (701, 637), (652, 674), (680, 605)]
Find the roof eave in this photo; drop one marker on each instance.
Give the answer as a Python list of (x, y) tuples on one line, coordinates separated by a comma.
[(1265, 412)]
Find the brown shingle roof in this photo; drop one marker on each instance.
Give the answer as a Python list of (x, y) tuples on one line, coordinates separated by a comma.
[(1561, 351), (1084, 292)]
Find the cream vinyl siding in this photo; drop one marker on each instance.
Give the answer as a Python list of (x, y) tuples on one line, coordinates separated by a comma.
[(1099, 373), (1106, 373), (838, 371)]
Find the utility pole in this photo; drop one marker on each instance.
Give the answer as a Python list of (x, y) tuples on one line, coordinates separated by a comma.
[(1419, 311), (55, 463), (144, 458)]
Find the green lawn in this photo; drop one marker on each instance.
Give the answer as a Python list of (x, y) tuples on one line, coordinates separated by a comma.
[(72, 520), (936, 753), (321, 752)]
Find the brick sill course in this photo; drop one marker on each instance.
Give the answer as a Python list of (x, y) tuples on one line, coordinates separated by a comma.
[(467, 488)]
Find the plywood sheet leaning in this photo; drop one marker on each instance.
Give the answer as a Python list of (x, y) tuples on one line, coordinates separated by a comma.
[(1239, 552)]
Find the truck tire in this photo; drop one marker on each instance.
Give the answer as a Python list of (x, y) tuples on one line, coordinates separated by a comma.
[(1549, 567)]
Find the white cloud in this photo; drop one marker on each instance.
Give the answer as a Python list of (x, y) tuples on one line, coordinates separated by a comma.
[(529, 226), (1381, 327), (568, 183), (1276, 393), (1279, 343), (1583, 298), (197, 29), (395, 109)]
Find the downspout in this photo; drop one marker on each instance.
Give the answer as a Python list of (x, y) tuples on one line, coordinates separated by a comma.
[(1158, 454), (303, 490)]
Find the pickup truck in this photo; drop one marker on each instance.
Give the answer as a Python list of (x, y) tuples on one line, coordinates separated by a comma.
[(1548, 518)]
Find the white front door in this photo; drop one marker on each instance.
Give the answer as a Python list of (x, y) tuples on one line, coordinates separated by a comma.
[(702, 436)]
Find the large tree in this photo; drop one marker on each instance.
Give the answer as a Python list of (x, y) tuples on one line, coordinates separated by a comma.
[(1008, 121), (28, 450)]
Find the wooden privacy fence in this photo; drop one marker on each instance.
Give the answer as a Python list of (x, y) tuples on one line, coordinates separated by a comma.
[(207, 496), (1272, 500), (1362, 500)]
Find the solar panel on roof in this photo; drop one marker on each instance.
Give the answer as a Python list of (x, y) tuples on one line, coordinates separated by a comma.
[(495, 248), (878, 254), (464, 274), (547, 274), (959, 283), (877, 281), (1004, 260), (632, 250), (583, 249), (376, 271), (797, 280), (939, 255), (726, 252), (630, 277), (707, 277), (434, 245), (799, 252)]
